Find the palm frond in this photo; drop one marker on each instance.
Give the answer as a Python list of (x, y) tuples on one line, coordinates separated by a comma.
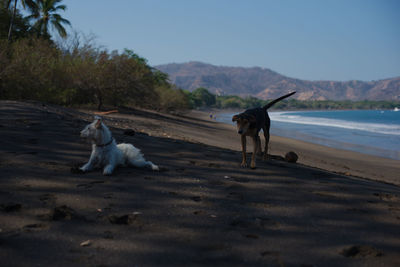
[(60, 19), (30, 5), (31, 17), (60, 29), (60, 7)]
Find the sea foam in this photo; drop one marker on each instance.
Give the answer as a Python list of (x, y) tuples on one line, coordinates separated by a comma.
[(391, 129)]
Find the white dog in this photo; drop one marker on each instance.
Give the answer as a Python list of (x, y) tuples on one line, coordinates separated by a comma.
[(106, 153)]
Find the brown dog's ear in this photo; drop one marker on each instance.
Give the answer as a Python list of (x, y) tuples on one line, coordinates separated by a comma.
[(235, 118), (98, 124)]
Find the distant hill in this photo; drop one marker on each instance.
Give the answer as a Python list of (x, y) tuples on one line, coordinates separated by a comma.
[(267, 84)]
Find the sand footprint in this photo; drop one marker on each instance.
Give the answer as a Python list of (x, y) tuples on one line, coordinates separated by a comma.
[(361, 251), (10, 207), (35, 227), (89, 185), (46, 198)]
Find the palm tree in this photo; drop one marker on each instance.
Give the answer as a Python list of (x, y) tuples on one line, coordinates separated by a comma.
[(44, 13), (25, 3)]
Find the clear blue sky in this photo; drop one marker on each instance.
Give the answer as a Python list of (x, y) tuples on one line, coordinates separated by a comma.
[(306, 39)]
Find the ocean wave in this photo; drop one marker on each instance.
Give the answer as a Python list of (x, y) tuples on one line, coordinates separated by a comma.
[(391, 129)]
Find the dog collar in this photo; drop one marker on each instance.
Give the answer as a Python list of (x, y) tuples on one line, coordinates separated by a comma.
[(109, 143)]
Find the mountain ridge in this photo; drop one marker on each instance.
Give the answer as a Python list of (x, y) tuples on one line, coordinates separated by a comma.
[(265, 83)]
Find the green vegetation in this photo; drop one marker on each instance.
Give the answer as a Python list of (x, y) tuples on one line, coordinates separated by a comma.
[(34, 67), (236, 102), (72, 73), (201, 97), (12, 23), (43, 14), (37, 69)]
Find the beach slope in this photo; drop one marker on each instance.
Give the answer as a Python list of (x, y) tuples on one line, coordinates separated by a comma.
[(200, 209)]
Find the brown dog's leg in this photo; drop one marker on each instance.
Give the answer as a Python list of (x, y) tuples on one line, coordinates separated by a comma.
[(266, 135), (255, 147), (244, 163), (259, 151)]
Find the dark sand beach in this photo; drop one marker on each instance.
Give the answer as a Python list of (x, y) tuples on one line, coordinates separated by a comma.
[(332, 208)]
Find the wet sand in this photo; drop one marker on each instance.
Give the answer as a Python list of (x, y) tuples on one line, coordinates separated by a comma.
[(201, 209)]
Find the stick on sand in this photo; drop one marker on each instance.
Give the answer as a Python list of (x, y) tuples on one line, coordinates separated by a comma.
[(106, 112)]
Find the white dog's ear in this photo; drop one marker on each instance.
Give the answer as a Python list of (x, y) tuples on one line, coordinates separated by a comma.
[(98, 124)]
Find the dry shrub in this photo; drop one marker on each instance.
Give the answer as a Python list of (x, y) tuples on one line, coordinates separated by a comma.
[(83, 74)]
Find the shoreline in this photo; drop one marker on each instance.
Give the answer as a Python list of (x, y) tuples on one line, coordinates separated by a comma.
[(339, 137), (339, 161), (335, 160)]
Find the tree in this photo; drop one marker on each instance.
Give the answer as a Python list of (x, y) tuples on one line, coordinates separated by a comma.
[(202, 97), (5, 6), (20, 25), (231, 102), (252, 102), (44, 13), (160, 77)]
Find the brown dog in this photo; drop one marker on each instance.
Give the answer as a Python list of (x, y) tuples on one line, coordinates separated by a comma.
[(249, 123)]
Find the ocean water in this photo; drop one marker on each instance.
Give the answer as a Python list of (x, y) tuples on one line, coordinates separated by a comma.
[(374, 132)]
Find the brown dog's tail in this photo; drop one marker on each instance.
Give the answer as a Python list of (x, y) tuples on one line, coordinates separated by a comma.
[(270, 104)]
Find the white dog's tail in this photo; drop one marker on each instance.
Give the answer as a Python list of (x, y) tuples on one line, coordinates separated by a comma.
[(135, 158), (153, 166), (142, 163)]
